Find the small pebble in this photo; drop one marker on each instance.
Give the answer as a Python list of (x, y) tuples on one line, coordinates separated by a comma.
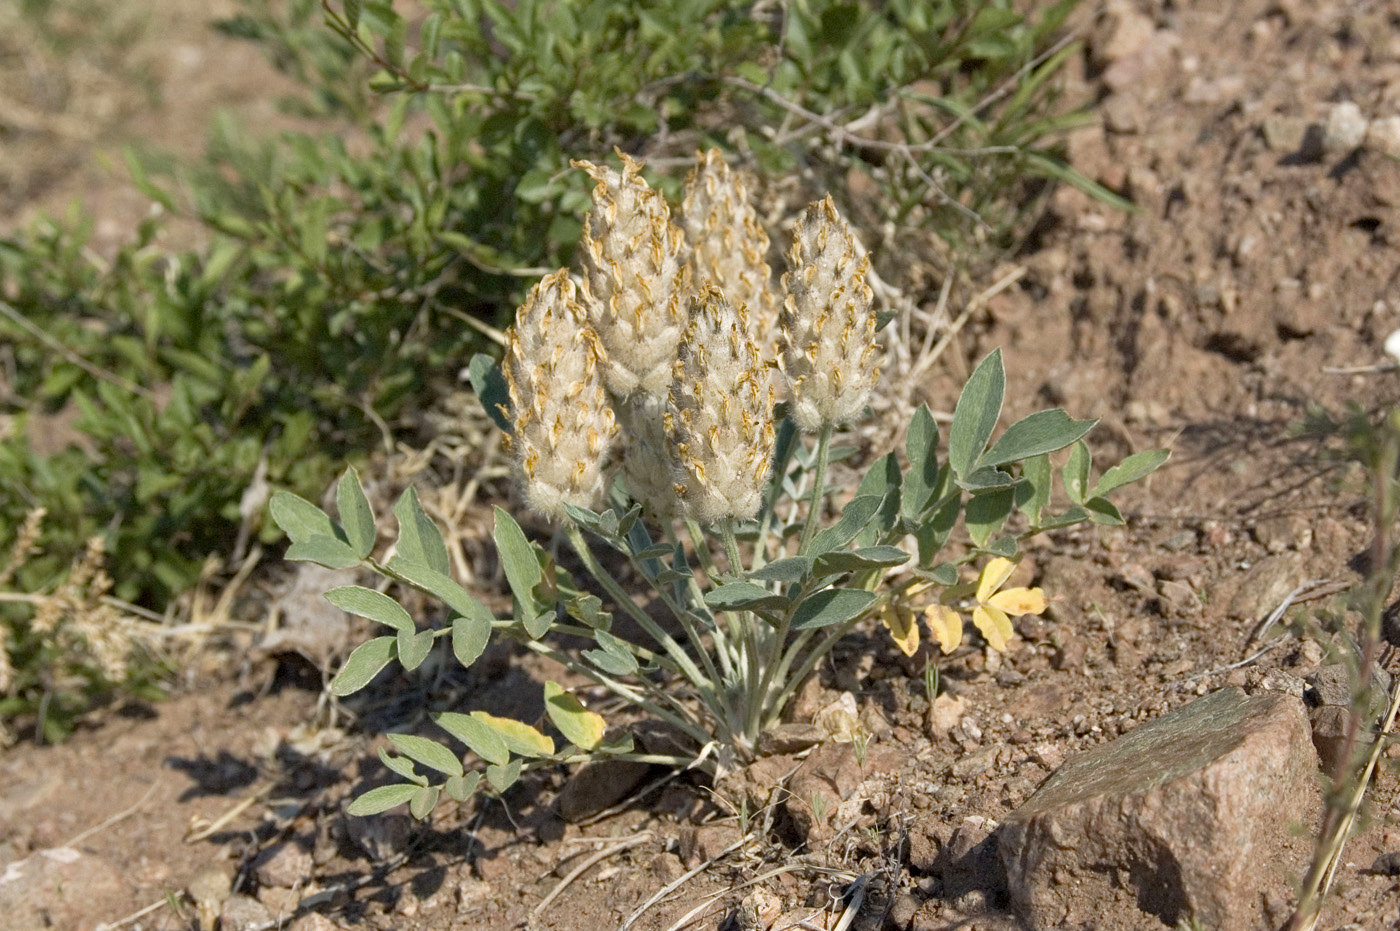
[(1345, 128)]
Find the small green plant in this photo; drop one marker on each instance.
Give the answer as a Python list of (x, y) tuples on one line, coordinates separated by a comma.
[(640, 408)]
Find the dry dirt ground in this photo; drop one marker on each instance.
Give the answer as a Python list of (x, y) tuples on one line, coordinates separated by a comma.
[(1208, 322)]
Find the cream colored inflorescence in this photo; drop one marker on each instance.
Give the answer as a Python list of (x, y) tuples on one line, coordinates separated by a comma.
[(674, 348), (636, 283), (719, 420), (828, 321), (728, 248), (563, 423)]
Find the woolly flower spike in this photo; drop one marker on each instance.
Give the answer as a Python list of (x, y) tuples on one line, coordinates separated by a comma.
[(993, 611), (563, 424), (828, 323), (633, 272), (719, 423), (728, 247), (645, 459)]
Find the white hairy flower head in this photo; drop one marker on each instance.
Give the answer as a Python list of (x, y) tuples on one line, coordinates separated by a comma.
[(634, 278), (563, 424), (719, 419), (646, 462), (728, 246), (828, 321)]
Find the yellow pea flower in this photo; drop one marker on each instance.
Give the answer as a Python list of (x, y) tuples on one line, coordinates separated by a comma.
[(992, 612), (902, 623)]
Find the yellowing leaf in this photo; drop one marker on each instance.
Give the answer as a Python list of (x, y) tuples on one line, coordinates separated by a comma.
[(1018, 601), (581, 727), (994, 625), (993, 577), (945, 625), (520, 737), (899, 621)]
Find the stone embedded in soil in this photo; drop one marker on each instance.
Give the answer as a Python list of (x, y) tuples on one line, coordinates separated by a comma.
[(243, 913), (1329, 699), (1265, 586), (1345, 128), (596, 786), (284, 865), (1187, 816), (59, 888)]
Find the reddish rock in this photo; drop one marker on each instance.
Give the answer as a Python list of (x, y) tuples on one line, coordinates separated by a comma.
[(1194, 814)]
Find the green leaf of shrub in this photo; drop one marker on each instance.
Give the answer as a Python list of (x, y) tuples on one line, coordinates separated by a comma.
[(366, 602), (1034, 496), (833, 606), (461, 788), (1041, 432), (518, 558), (420, 541), (400, 765), (479, 737), (858, 512), (362, 665), (300, 519), (744, 596), (355, 514), (1103, 511), (790, 569), (580, 727), (1076, 473), (428, 752), (502, 778), (423, 802), (324, 551), (1135, 467), (435, 583), (858, 560), (469, 638), (538, 624), (491, 389), (921, 446), (975, 417), (612, 657), (414, 647), (985, 514), (377, 801)]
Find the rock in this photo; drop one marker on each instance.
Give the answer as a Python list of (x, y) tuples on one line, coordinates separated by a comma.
[(1122, 113), (1345, 128), (313, 921), (969, 860), (944, 714), (243, 913), (1181, 597), (1329, 696), (284, 865), (1383, 135), (702, 843), (1179, 818), (790, 738), (599, 785), (827, 777), (1265, 586), (59, 888), (1277, 534)]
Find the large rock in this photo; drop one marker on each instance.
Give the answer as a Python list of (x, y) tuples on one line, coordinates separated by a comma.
[(1192, 815), (60, 888)]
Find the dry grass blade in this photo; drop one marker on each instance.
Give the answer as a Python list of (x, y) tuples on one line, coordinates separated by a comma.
[(682, 880), (588, 864)]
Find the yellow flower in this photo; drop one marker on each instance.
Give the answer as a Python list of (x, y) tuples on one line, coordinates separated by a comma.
[(902, 623), (993, 611)]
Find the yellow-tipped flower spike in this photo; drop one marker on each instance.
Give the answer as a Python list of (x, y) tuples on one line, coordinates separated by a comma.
[(719, 420), (563, 424), (828, 321), (728, 247), (636, 284)]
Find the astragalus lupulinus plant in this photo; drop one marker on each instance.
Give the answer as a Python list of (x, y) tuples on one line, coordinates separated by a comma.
[(715, 498)]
